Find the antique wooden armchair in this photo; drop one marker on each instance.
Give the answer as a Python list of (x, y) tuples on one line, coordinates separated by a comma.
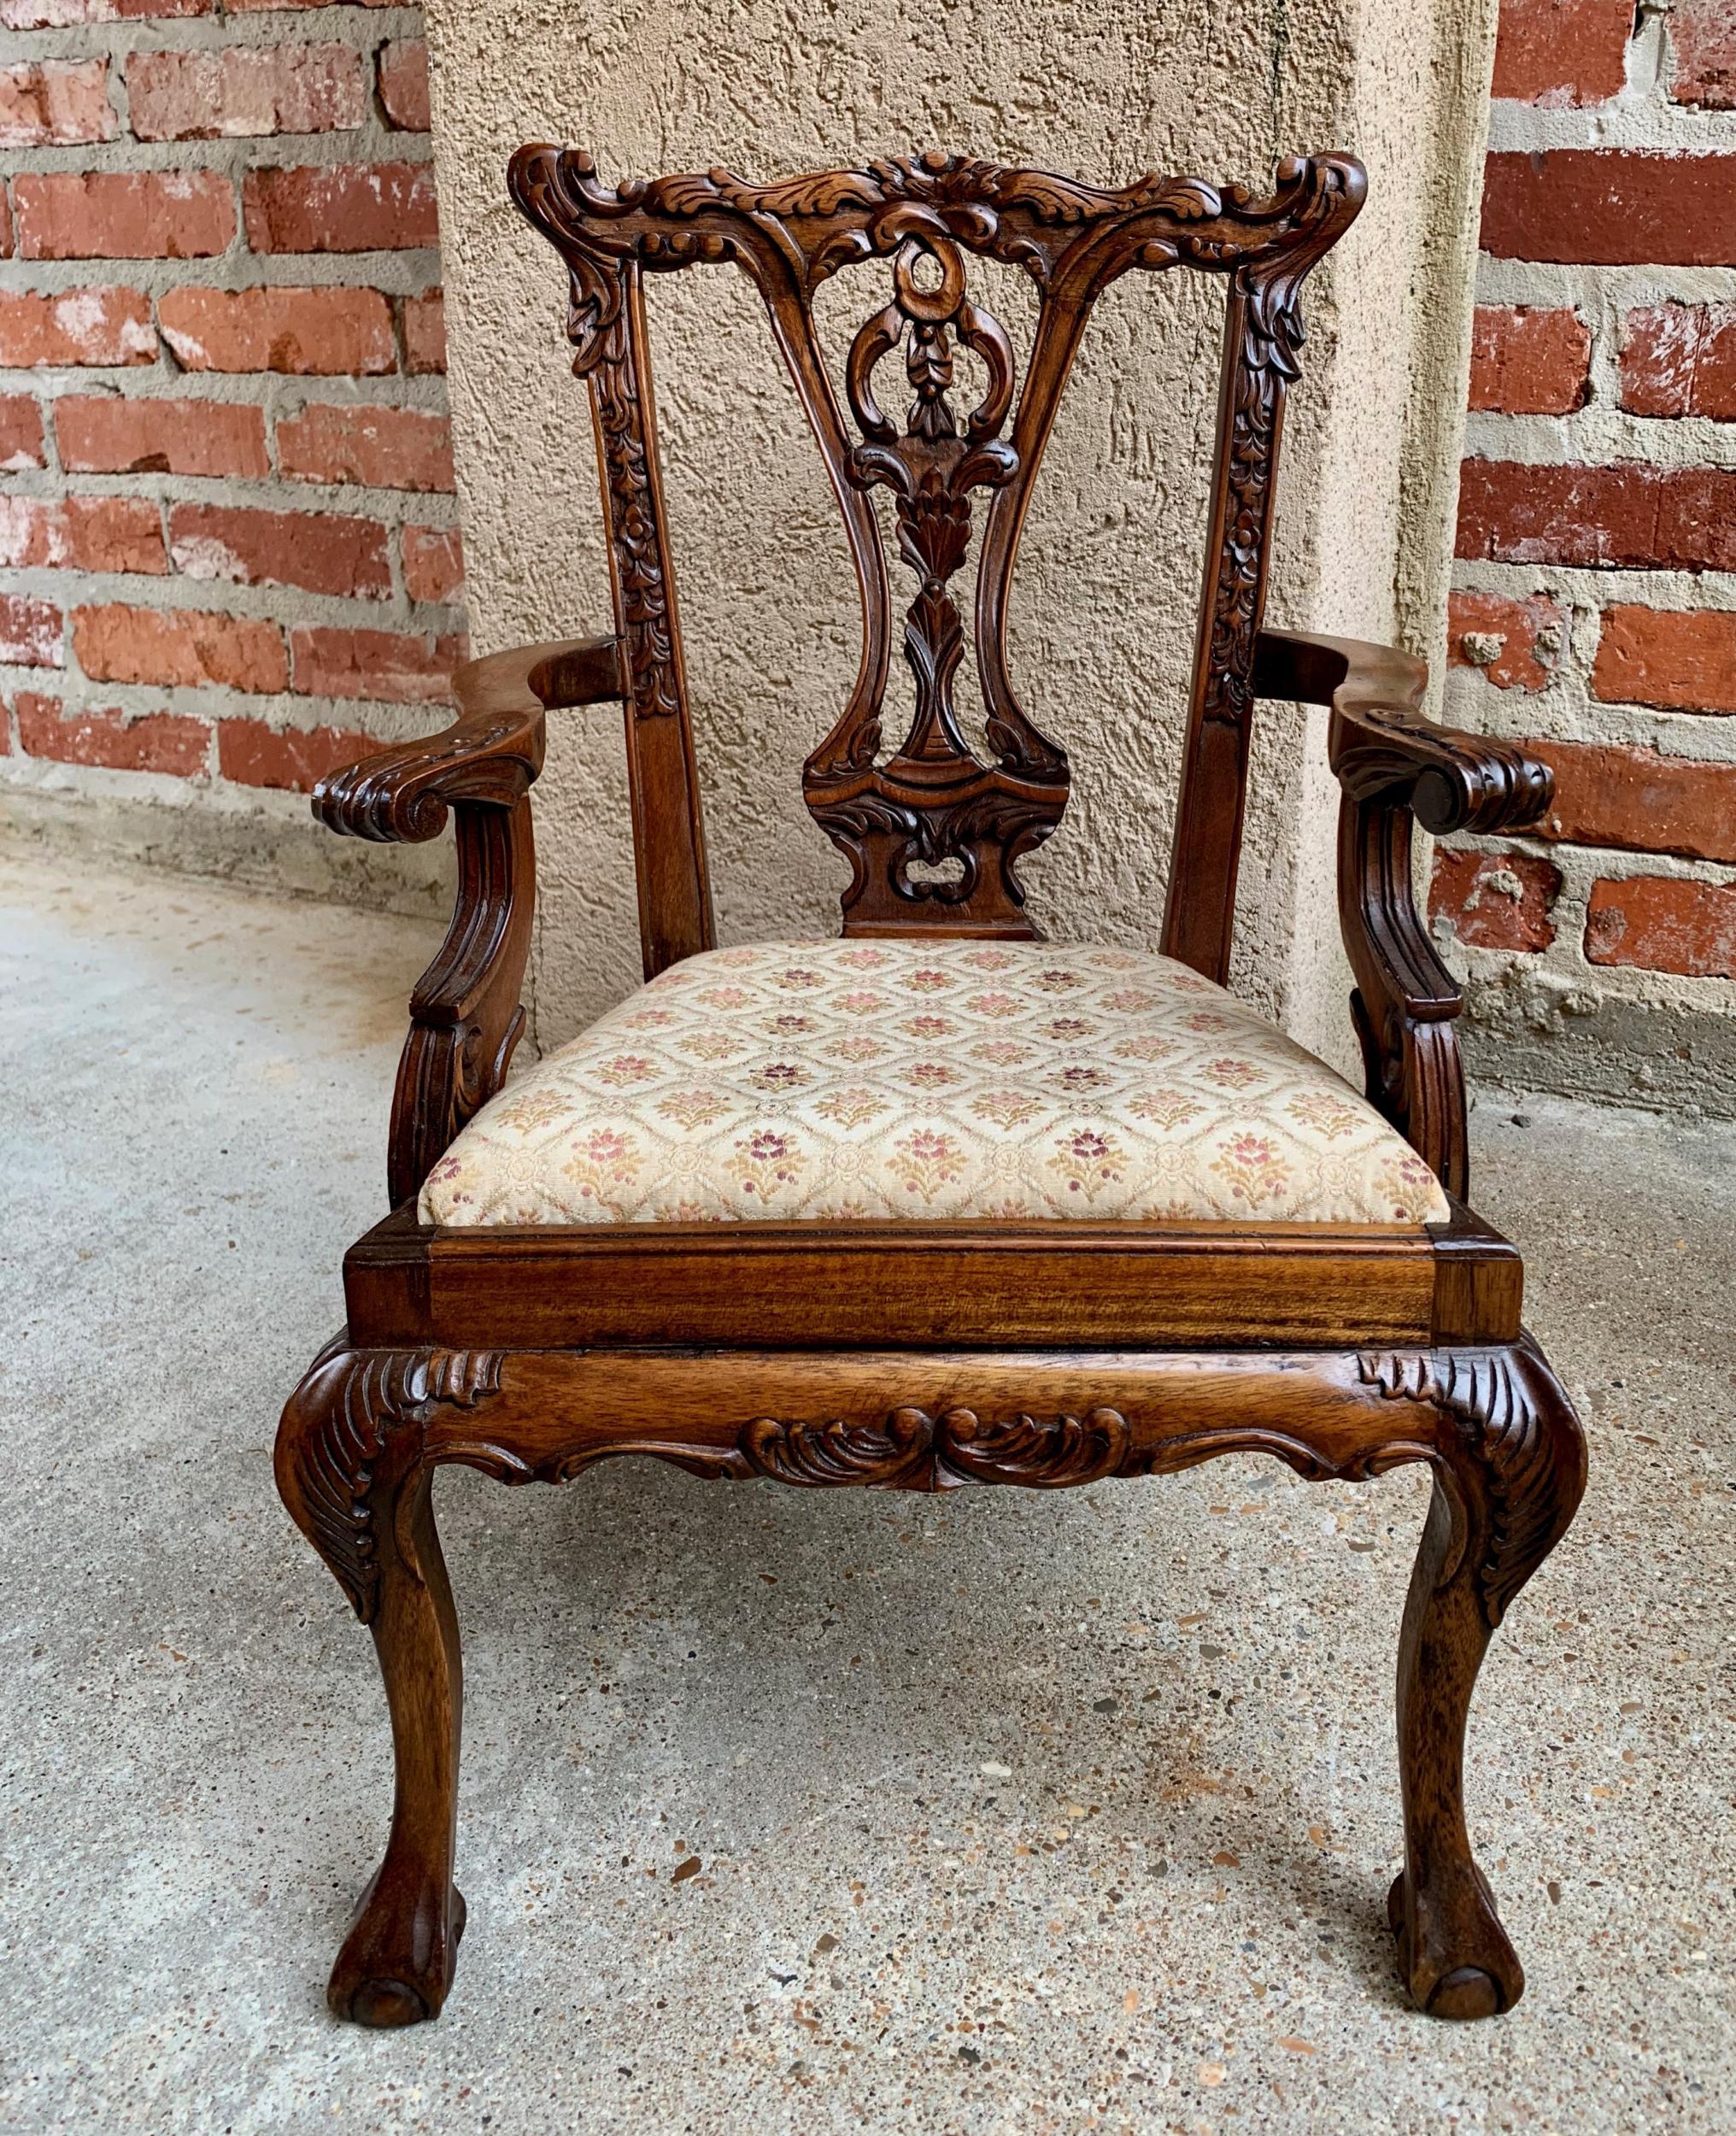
[(908, 1283)]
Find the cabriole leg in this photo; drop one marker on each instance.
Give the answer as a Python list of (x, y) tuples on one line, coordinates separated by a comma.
[(397, 1960), (351, 1470), (1512, 1472)]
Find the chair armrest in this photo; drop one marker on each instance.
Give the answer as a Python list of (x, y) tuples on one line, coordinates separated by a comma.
[(465, 1013), (490, 754), (1396, 769), (1381, 746)]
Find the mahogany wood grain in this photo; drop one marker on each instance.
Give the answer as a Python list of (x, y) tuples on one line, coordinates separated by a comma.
[(910, 1356), (933, 803), (367, 1427), (675, 897), (1112, 1285)]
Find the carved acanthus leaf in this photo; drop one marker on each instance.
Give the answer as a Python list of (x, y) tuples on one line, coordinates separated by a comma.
[(912, 1448), (636, 527), (401, 795), (1074, 239), (835, 1453), (337, 1430), (820, 220), (1488, 1398), (1449, 781), (1049, 1453)]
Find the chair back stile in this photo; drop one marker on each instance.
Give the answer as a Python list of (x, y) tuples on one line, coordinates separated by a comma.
[(933, 833)]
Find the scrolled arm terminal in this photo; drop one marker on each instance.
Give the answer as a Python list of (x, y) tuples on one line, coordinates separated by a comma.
[(490, 754), (465, 1016), (1396, 768), (1381, 747)]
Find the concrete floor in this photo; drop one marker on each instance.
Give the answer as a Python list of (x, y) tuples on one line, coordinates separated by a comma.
[(1016, 1813)]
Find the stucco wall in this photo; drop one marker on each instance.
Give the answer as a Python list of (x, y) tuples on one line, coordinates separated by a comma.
[(1104, 609)]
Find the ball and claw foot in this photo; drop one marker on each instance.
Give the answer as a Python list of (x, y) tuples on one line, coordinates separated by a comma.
[(1438, 1967), (371, 1986)]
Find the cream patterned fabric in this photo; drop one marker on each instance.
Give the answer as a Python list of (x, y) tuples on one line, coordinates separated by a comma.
[(929, 1079), (856, 1080)]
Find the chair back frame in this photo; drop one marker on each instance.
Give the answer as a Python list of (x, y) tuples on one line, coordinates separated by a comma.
[(932, 832)]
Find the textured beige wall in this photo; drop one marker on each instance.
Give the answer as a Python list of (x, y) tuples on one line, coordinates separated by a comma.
[(1104, 606)]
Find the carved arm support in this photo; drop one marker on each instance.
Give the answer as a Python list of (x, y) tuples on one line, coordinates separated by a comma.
[(1396, 769), (465, 1014)]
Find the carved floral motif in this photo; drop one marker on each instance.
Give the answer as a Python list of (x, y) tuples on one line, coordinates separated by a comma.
[(830, 1454), (636, 526), (1264, 365), (822, 221), (913, 1448), (345, 1419)]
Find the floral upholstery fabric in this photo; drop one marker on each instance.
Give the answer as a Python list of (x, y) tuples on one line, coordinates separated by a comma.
[(866, 1079)]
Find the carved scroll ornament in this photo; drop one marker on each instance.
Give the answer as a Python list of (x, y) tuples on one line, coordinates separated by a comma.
[(912, 1448), (1504, 1445)]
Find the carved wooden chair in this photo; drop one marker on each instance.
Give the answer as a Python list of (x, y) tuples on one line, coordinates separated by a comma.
[(932, 1204)]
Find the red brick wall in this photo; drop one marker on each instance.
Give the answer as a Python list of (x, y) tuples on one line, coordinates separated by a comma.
[(229, 551), (1595, 609)]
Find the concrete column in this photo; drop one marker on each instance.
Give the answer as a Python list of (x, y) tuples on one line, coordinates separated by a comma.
[(1105, 606)]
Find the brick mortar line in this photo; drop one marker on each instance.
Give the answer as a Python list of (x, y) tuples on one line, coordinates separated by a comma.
[(1589, 862), (1601, 586), (386, 720), (1624, 125), (237, 153), (334, 612), (420, 392), (174, 591), (1644, 986), (68, 589), (1701, 738), (1565, 283), (405, 271), (1601, 435), (60, 583), (362, 29), (273, 492)]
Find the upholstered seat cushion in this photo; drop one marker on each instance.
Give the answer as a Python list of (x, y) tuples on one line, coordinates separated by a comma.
[(929, 1079), (856, 1080)]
